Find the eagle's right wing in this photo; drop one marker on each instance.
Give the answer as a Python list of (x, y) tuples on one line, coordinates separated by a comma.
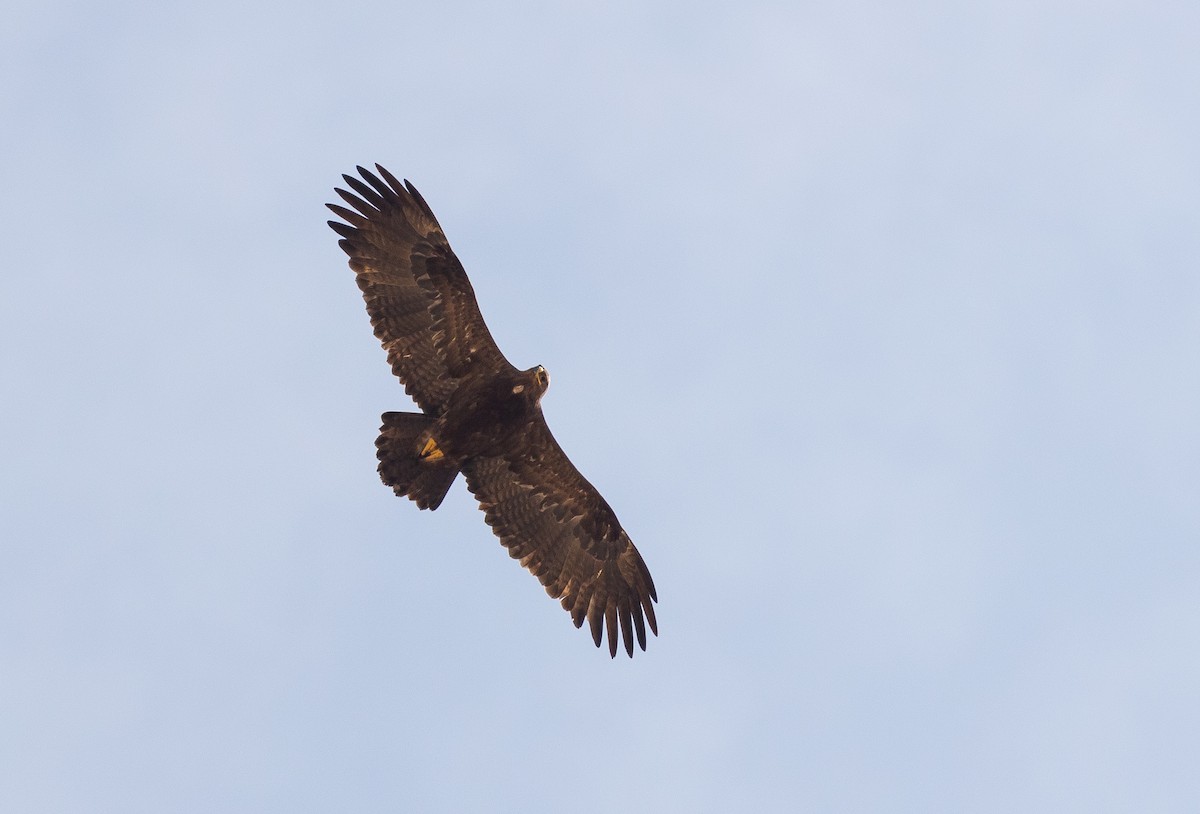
[(420, 301)]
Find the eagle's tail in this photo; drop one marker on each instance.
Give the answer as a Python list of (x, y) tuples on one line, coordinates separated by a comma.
[(424, 480)]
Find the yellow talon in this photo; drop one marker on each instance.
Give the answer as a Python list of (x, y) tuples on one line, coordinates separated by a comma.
[(431, 451)]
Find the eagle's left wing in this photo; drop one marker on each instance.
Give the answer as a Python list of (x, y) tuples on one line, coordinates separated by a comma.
[(551, 519)]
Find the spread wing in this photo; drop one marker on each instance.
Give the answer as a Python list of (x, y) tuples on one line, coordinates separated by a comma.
[(551, 519), (421, 304)]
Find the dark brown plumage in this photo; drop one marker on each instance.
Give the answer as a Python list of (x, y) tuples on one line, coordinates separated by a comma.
[(481, 416)]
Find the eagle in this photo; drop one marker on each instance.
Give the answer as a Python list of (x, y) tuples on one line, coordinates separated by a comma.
[(481, 416)]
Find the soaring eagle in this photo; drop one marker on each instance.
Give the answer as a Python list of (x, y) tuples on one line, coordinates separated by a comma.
[(481, 416)]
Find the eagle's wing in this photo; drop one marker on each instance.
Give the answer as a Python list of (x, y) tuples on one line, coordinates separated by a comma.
[(551, 519), (421, 304)]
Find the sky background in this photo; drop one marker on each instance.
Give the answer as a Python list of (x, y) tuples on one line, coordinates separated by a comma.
[(877, 324)]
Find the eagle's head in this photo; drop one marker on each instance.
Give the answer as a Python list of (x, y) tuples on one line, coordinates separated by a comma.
[(532, 382)]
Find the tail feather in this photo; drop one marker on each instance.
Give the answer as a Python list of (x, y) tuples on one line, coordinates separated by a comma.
[(425, 482)]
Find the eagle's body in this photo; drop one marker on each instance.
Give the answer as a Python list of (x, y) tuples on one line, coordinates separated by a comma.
[(488, 416), (482, 417)]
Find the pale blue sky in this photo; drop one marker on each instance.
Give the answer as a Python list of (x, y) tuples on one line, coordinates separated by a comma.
[(877, 324)]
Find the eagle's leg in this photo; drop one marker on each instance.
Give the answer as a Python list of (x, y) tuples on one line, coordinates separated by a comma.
[(431, 452)]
